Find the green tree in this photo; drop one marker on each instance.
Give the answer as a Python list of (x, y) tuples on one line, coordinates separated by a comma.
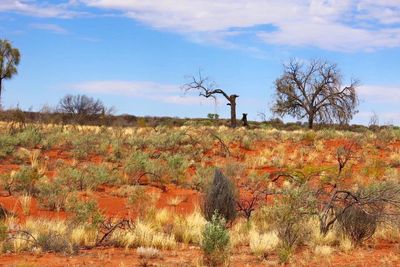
[(9, 59)]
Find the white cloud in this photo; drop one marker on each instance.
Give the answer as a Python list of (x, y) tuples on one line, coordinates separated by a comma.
[(165, 93), (32, 8), (343, 25), (339, 25), (49, 27), (380, 94)]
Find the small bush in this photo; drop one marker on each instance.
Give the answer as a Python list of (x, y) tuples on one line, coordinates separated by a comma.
[(54, 242), (7, 145), (284, 254), (215, 244), (177, 165), (89, 177), (52, 195), (357, 224), (220, 198), (202, 178), (29, 137), (138, 198), (24, 180), (290, 215), (86, 212)]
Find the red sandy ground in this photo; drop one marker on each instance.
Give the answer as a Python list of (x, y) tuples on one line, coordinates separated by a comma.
[(378, 254)]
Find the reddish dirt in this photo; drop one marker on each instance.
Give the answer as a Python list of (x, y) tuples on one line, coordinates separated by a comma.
[(380, 254)]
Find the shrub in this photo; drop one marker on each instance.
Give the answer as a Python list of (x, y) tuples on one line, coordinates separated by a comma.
[(136, 163), (89, 177), (202, 178), (52, 195), (220, 198), (177, 165), (284, 253), (54, 242), (290, 215), (357, 224), (138, 199), (215, 244), (30, 137), (85, 212), (7, 145), (23, 180), (83, 146)]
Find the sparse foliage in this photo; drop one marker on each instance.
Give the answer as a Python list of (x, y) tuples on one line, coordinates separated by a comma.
[(82, 107), (9, 60), (207, 89), (315, 92)]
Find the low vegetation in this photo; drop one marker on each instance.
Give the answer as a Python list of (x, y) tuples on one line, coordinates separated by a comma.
[(212, 189)]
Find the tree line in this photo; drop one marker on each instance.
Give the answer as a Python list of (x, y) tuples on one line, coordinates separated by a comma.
[(311, 91)]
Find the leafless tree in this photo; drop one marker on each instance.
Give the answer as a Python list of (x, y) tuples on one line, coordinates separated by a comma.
[(207, 89), (381, 201), (314, 91), (81, 105)]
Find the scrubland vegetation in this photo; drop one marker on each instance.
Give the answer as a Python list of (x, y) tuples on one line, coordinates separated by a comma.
[(215, 192)]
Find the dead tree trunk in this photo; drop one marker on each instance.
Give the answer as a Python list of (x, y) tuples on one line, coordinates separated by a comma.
[(208, 89), (232, 103)]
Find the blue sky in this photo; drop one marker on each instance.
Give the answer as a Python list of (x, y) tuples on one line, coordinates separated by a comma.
[(134, 55)]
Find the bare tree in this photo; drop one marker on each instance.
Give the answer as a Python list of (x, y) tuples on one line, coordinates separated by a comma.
[(81, 105), (314, 91), (207, 88)]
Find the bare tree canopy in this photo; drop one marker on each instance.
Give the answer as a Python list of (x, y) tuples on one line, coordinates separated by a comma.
[(314, 91), (207, 89), (82, 105), (9, 59)]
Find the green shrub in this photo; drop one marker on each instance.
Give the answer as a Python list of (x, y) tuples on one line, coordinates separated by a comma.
[(89, 177), (83, 146), (52, 195), (85, 212), (30, 137), (215, 243), (177, 166), (7, 145), (288, 216), (24, 180), (136, 164), (284, 254), (202, 178)]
